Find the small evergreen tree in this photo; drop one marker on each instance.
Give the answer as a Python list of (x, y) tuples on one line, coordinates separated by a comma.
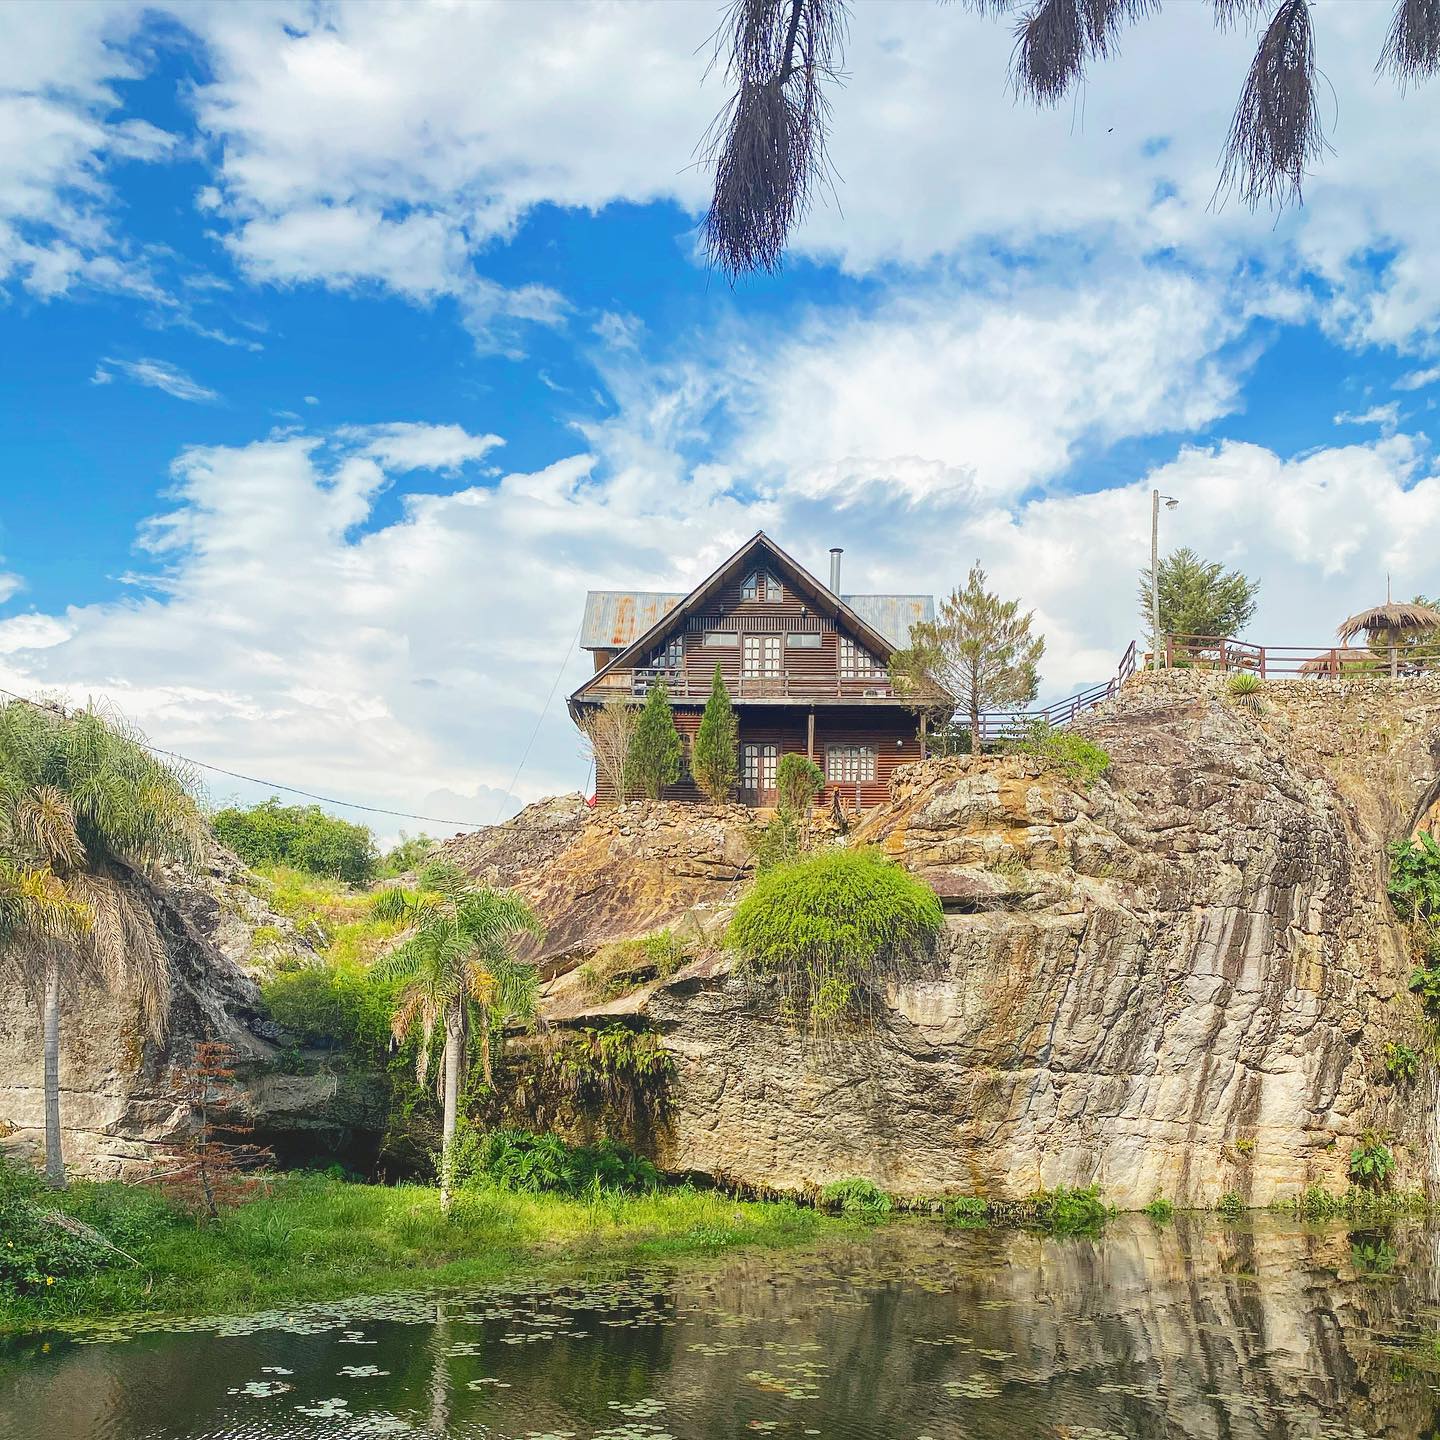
[(1198, 597), (798, 780), (653, 761), (978, 654), (715, 758)]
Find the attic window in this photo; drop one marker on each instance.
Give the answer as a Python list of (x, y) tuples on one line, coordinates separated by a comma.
[(761, 585), (670, 656), (857, 663)]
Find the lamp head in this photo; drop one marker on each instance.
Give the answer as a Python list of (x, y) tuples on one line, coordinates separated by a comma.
[(1170, 502)]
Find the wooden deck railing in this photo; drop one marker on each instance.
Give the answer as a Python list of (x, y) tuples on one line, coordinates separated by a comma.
[(1275, 662), (784, 685), (998, 725)]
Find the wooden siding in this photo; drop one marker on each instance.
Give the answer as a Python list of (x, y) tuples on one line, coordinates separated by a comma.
[(892, 732)]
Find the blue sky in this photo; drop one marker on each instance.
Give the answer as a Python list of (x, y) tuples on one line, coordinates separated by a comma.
[(346, 346)]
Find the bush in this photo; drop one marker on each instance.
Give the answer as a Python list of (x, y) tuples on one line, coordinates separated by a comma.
[(856, 1196), (969, 1212), (715, 755), (1414, 884), (778, 842), (1160, 1209), (830, 930), (1247, 682), (37, 1250), (653, 759), (1074, 756), (1068, 1212), (520, 1160), (1231, 1205), (1372, 1162), (407, 854), (338, 1006), (1402, 1064), (798, 780), (300, 835), (623, 964)]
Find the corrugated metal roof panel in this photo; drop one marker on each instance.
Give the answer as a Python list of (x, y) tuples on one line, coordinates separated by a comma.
[(613, 618), (892, 615)]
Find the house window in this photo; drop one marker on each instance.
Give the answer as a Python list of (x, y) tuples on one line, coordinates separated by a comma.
[(803, 641), (670, 656), (721, 637), (850, 764), (857, 663), (761, 655), (757, 768), (761, 585)]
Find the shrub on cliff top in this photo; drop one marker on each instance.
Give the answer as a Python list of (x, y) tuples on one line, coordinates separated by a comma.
[(300, 835), (829, 930), (1075, 757)]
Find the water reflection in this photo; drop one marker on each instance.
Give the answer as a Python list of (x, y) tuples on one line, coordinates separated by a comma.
[(1200, 1329)]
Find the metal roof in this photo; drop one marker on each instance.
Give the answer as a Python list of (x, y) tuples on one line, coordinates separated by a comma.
[(892, 615), (613, 618)]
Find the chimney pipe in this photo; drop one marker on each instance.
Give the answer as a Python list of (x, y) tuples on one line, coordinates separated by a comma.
[(835, 553)]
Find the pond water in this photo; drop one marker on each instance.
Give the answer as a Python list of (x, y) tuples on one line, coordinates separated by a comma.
[(1199, 1329)]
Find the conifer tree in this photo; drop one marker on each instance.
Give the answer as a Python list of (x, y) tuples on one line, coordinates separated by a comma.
[(978, 654), (715, 758), (653, 761)]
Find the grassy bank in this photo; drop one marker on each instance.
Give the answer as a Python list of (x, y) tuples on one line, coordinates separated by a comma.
[(313, 1238)]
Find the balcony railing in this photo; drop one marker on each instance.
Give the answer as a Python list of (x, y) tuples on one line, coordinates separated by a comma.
[(786, 685)]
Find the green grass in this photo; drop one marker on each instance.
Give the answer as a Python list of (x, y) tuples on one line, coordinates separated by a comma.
[(314, 1238)]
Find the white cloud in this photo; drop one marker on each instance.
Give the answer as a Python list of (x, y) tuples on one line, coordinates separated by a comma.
[(408, 445), (155, 374), (1387, 416), (1418, 379)]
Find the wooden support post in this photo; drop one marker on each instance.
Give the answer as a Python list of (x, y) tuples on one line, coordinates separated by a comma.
[(924, 738), (810, 737)]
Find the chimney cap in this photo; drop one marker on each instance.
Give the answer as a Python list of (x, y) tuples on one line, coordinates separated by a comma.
[(837, 549)]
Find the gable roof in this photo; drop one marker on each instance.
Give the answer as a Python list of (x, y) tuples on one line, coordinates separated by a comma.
[(820, 597), (613, 618), (893, 615)]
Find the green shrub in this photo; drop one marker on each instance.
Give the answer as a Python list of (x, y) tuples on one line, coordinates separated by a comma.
[(300, 835), (407, 854), (1074, 756), (520, 1160), (1068, 1212), (37, 1251), (1372, 1162), (338, 1006), (1402, 1064), (830, 930), (968, 1212), (1160, 1209), (1245, 1146), (1231, 1205), (856, 1196), (621, 965), (715, 755), (653, 759), (778, 842), (1414, 884), (798, 780), (1247, 682)]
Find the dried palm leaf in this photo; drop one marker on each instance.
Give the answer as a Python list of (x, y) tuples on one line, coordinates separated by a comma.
[(1277, 129), (1412, 48), (767, 144), (1389, 618), (1055, 38)]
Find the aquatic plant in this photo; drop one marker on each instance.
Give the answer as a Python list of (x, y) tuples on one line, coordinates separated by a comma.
[(856, 1196), (968, 1212), (1067, 1211), (1160, 1209), (828, 932), (1402, 1063), (1317, 1203), (1372, 1162), (1231, 1205)]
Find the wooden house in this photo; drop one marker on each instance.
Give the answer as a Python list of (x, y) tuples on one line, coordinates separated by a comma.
[(806, 668)]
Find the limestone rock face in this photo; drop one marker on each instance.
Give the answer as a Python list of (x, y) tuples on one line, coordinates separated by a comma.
[(117, 1107), (595, 875), (1179, 983)]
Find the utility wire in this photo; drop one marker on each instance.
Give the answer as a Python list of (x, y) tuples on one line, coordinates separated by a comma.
[(275, 784)]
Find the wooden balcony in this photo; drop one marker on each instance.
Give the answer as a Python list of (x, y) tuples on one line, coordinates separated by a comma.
[(786, 687)]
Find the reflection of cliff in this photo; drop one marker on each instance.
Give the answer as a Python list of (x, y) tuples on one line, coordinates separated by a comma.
[(1198, 1330)]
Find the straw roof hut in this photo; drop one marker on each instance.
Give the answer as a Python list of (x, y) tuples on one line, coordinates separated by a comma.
[(1390, 625), (1337, 661)]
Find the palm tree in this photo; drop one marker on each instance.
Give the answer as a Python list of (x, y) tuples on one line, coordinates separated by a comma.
[(457, 970), (85, 814)]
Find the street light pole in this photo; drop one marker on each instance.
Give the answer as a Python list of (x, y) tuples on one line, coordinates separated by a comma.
[(1170, 503)]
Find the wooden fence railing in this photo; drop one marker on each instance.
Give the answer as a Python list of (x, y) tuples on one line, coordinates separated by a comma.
[(1275, 662), (998, 725)]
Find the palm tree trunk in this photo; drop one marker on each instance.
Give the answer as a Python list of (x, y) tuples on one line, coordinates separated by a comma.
[(54, 1158), (452, 1103)]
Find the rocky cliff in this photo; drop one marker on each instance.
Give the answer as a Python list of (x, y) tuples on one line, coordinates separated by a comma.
[(117, 1104), (1178, 983)]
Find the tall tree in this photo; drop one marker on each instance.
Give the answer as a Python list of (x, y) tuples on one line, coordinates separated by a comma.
[(715, 757), (1198, 597), (978, 654), (86, 815), (458, 972), (767, 144), (653, 760)]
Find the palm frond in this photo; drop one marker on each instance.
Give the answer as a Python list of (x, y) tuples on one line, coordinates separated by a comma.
[(767, 144), (1412, 48), (43, 824), (1277, 129), (1230, 13), (1055, 39)]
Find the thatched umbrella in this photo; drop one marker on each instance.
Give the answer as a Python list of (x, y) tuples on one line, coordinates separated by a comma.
[(1335, 662), (1389, 624)]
